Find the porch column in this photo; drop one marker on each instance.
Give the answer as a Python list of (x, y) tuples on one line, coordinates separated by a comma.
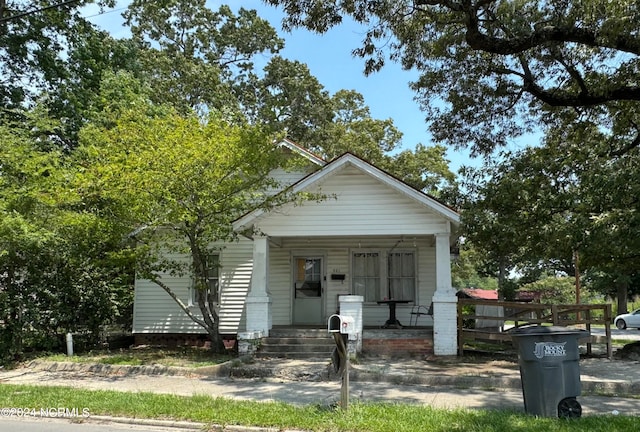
[(258, 301), (445, 322)]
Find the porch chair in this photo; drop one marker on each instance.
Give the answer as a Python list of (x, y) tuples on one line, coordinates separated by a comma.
[(417, 311)]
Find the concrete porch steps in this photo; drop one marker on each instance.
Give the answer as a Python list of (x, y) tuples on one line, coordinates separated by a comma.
[(297, 343)]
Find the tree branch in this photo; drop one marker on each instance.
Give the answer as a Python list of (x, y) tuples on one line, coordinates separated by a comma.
[(630, 146), (180, 303), (543, 35), (557, 97), (573, 72)]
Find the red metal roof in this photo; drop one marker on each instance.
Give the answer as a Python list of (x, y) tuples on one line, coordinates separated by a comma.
[(480, 294)]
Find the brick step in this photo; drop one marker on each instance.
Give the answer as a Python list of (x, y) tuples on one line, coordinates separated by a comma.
[(297, 343), (298, 333)]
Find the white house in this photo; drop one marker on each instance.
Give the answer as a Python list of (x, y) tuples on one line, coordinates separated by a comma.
[(372, 236)]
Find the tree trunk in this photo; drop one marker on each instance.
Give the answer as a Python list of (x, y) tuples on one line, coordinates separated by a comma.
[(622, 286), (576, 259), (501, 278), (209, 310)]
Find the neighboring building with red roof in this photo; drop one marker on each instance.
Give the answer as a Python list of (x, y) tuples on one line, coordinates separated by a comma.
[(484, 310), (478, 294)]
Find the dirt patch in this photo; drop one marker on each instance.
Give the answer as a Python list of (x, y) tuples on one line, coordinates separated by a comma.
[(629, 352), (281, 369), (184, 357)]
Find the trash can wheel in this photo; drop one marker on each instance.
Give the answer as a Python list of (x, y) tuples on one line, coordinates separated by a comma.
[(569, 408)]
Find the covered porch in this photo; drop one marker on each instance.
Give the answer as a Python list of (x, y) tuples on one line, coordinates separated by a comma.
[(373, 236)]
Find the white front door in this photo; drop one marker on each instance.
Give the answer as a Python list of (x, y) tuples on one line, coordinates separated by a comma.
[(308, 290)]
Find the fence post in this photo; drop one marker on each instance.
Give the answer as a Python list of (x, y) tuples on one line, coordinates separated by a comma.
[(607, 329), (460, 330), (588, 319)]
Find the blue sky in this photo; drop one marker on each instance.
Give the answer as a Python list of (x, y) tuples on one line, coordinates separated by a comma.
[(329, 59)]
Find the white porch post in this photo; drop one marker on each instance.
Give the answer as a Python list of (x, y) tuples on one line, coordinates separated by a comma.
[(445, 322), (258, 301)]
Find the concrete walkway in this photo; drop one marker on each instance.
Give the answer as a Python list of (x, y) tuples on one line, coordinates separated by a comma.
[(608, 385)]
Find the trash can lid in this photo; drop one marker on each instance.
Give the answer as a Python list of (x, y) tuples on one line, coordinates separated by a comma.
[(547, 330)]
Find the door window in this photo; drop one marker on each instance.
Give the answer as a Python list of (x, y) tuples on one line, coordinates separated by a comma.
[(308, 277)]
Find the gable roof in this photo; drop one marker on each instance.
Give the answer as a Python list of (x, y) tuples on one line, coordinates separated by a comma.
[(351, 160), (296, 148)]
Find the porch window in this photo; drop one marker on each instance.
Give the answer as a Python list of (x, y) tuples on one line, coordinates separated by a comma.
[(213, 282), (402, 275), (384, 274), (366, 275)]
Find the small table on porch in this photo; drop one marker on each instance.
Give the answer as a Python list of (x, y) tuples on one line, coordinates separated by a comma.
[(392, 322)]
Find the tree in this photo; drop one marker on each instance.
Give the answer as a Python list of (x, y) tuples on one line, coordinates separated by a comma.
[(501, 66), (195, 57), (521, 211), (545, 207), (552, 290), (467, 270), (287, 97), (23, 236), (62, 268), (93, 56), (34, 36), (353, 129), (182, 182), (53, 57)]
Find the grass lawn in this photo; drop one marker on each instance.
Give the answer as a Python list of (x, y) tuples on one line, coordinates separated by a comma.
[(360, 417)]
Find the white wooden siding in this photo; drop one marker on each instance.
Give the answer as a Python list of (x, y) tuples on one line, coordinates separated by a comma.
[(156, 312), (356, 204), (235, 280), (289, 177), (280, 285)]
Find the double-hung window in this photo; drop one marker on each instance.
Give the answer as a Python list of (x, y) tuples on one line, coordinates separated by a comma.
[(384, 274), (213, 282), (367, 275), (402, 275)]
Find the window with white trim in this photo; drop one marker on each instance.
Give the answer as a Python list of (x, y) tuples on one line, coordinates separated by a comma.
[(366, 275), (213, 282), (402, 275), (383, 274)]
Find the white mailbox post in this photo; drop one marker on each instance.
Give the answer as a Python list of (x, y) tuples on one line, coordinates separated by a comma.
[(351, 306)]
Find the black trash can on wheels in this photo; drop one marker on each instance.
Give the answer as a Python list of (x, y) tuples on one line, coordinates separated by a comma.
[(549, 370)]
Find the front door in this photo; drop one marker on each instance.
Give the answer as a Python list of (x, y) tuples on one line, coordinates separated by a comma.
[(308, 290)]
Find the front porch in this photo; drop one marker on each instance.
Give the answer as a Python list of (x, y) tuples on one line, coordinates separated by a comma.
[(374, 237)]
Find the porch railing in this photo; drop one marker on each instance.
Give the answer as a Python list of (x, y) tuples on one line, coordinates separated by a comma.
[(531, 313)]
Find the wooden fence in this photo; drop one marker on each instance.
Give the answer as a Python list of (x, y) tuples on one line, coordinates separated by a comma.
[(530, 313)]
